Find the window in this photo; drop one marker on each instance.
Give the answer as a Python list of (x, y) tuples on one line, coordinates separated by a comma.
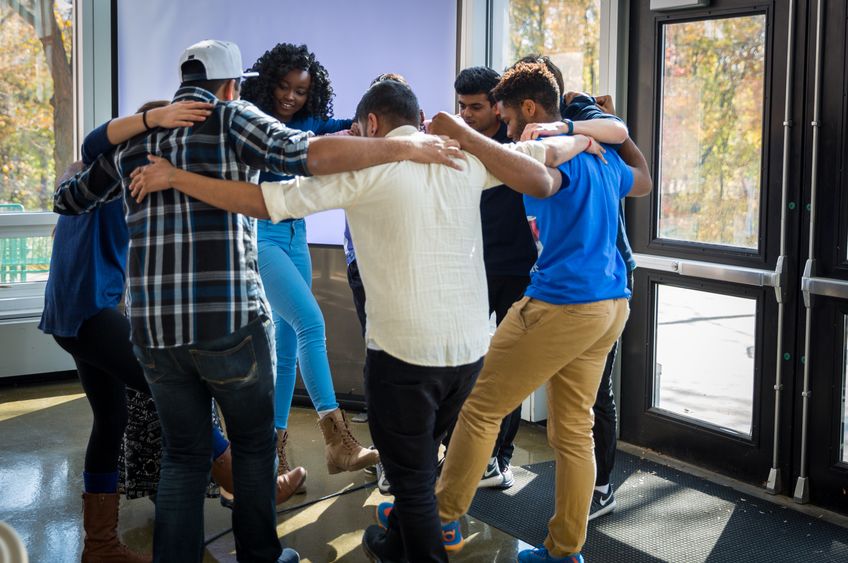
[(36, 97), (705, 349), (568, 31), (36, 128), (711, 141)]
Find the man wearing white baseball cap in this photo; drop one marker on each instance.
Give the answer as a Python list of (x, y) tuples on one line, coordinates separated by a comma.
[(201, 325)]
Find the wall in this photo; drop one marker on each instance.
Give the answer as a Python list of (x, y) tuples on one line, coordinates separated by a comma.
[(355, 41)]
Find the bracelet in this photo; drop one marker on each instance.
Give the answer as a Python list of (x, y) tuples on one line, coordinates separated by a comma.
[(144, 120), (589, 146), (570, 127)]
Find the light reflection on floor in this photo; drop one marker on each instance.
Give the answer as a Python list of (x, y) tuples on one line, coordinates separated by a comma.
[(43, 432)]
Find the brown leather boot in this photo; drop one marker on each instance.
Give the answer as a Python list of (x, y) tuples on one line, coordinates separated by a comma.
[(283, 467), (100, 520), (342, 451), (290, 483), (222, 470)]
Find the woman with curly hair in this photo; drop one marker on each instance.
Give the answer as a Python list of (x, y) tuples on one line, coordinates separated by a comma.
[(295, 88)]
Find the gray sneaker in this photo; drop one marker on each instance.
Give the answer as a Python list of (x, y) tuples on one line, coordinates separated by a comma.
[(602, 503), (493, 478), (382, 481)]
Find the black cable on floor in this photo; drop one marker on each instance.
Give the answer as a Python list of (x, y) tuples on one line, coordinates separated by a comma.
[(298, 507)]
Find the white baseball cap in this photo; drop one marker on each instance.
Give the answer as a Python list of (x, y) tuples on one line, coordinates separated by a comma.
[(221, 61)]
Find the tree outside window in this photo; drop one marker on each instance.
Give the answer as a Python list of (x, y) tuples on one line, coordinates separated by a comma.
[(36, 100), (568, 31)]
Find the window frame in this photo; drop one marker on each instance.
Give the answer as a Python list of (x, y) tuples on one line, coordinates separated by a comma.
[(94, 58)]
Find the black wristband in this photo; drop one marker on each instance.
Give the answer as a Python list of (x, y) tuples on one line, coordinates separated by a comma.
[(144, 120), (570, 124)]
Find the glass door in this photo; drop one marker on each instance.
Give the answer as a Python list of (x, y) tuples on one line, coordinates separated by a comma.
[(821, 422), (701, 347)]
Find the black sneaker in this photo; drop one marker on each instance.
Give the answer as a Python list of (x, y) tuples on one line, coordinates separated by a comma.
[(602, 503), (376, 546)]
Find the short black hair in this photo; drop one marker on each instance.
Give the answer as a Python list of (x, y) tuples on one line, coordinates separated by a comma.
[(391, 100), (529, 81), (476, 80), (546, 60), (196, 67), (274, 65)]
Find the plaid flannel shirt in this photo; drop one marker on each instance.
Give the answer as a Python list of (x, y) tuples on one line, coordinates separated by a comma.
[(192, 268)]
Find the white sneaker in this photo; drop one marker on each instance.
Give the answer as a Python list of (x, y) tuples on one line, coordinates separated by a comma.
[(493, 478), (509, 479), (382, 481)]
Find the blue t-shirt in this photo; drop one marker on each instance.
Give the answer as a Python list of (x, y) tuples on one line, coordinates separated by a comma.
[(89, 258), (583, 108), (578, 226)]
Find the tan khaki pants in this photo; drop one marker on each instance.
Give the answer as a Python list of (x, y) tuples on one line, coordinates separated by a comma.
[(564, 346)]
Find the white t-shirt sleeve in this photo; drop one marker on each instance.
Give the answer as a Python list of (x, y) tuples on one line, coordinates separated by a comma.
[(302, 196)]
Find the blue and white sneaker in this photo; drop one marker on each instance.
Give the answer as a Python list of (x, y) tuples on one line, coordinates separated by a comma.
[(382, 514), (451, 533), (541, 555)]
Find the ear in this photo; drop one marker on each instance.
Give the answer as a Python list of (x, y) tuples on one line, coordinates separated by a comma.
[(373, 125), (528, 108), (228, 92)]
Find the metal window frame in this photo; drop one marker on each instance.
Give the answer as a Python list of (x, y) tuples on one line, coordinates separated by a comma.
[(93, 55)]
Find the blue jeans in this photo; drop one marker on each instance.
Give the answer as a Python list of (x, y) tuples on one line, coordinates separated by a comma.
[(237, 370), (286, 270)]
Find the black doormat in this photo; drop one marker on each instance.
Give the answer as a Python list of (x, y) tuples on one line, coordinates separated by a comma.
[(666, 515)]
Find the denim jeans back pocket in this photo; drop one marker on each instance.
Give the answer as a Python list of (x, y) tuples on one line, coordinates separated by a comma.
[(234, 366)]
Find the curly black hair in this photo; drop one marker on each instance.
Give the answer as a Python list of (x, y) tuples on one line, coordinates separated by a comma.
[(274, 65), (528, 81)]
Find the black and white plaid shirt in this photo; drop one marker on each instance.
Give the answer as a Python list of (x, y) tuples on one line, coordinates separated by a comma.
[(193, 274)]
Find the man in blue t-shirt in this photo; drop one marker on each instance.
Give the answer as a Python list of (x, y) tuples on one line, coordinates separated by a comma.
[(560, 333), (577, 109)]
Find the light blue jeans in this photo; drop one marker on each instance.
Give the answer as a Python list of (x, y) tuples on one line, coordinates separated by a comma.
[(286, 270)]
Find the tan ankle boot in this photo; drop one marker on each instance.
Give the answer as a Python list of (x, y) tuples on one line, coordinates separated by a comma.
[(283, 467), (100, 520), (342, 451)]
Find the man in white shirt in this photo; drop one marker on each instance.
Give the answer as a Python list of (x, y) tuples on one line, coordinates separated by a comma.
[(419, 247)]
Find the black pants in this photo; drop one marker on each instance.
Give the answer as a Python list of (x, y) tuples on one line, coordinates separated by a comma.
[(503, 292), (358, 290), (410, 408), (106, 364), (604, 430)]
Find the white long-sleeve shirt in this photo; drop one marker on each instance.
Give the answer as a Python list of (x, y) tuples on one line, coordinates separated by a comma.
[(419, 249)]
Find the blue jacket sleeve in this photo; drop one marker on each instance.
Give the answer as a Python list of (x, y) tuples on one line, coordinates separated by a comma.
[(326, 126), (95, 144)]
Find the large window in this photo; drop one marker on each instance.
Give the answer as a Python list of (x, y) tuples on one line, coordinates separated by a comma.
[(36, 125), (568, 31), (705, 348), (711, 142)]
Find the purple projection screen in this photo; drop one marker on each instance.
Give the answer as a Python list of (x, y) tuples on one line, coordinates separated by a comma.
[(355, 41)]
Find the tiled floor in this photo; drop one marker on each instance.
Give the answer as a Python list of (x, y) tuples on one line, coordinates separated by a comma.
[(43, 432)]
